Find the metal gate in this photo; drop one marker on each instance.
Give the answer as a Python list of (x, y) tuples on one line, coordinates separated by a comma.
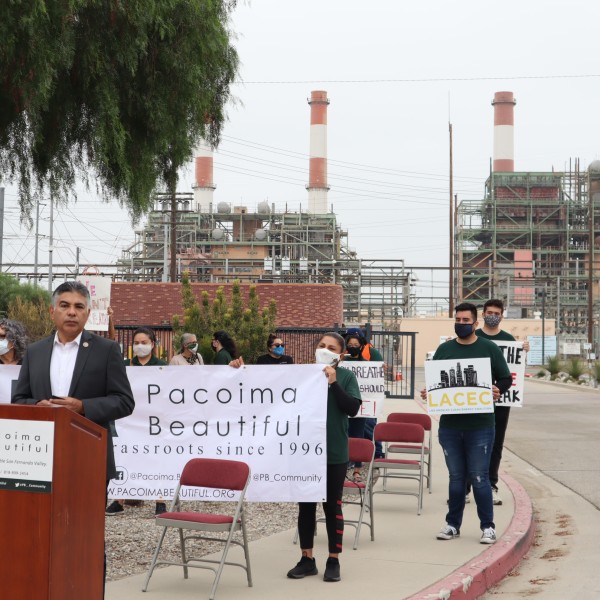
[(396, 347)]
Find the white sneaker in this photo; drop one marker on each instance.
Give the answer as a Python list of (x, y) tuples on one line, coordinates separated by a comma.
[(468, 499), (448, 533), (488, 536), (496, 497)]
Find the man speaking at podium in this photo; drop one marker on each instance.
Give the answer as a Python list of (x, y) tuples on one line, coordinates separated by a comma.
[(76, 369)]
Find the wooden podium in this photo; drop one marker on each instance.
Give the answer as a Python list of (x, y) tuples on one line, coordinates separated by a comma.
[(52, 540)]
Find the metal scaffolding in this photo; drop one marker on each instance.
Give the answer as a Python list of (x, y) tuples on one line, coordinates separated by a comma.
[(533, 239)]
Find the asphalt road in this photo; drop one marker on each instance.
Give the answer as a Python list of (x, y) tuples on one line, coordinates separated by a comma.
[(552, 448)]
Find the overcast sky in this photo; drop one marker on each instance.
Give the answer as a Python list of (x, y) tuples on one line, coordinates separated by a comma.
[(395, 73)]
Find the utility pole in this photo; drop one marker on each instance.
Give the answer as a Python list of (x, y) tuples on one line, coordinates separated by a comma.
[(451, 232), (173, 265), (50, 245), (37, 241), (165, 273), (1, 224), (590, 295)]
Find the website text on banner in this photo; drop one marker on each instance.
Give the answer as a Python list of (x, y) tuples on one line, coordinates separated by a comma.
[(455, 387), (371, 383), (515, 359), (272, 419)]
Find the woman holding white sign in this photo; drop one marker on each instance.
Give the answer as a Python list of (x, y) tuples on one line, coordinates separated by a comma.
[(343, 400), (144, 342)]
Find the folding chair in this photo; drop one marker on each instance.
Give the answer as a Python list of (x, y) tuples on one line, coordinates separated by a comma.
[(420, 419), (229, 475), (361, 450), (401, 433)]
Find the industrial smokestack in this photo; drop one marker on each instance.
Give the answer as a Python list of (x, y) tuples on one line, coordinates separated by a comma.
[(204, 186), (317, 179), (504, 136)]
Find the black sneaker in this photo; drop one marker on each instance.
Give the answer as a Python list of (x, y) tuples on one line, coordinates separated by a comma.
[(306, 566), (161, 508), (114, 509), (332, 570)]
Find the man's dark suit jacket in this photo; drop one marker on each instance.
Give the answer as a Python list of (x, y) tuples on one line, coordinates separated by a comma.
[(99, 381)]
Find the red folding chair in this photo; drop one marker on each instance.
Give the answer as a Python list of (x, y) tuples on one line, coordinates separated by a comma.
[(420, 419), (401, 433), (229, 476)]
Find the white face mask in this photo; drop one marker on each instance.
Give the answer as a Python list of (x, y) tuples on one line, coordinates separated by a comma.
[(323, 356), (4, 347), (142, 350)]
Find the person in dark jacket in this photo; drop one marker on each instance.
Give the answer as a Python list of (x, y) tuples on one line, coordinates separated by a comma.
[(276, 355)]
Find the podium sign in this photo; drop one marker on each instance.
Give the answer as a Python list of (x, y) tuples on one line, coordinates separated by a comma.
[(27, 455), (52, 495)]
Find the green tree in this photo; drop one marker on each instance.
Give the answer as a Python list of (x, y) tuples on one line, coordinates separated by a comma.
[(34, 315), (244, 321), (119, 90), (11, 289)]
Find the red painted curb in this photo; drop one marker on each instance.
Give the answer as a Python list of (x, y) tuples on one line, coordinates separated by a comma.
[(475, 577)]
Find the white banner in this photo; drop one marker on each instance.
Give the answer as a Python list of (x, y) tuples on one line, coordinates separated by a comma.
[(27, 455), (8, 380), (459, 386), (371, 383), (515, 359), (99, 288), (274, 419)]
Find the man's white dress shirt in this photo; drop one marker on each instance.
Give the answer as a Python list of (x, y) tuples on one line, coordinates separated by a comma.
[(62, 365)]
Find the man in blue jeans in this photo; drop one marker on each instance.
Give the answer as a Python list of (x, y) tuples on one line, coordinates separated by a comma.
[(467, 439)]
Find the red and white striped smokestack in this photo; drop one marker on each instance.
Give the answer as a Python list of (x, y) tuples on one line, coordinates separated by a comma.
[(317, 179), (504, 131), (204, 186)]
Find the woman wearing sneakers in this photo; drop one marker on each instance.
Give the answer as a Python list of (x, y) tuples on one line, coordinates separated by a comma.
[(343, 400)]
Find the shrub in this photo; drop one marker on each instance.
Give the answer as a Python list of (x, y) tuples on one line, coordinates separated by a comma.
[(553, 365), (575, 368)]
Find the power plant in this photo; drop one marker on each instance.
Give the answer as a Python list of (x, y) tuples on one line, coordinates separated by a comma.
[(219, 242), (533, 238)]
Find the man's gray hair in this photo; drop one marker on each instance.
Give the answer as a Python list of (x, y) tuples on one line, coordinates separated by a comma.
[(71, 286), (185, 339)]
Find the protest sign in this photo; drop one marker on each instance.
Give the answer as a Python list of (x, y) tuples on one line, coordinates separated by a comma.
[(99, 288), (371, 382), (272, 419), (515, 359), (459, 387), (8, 380)]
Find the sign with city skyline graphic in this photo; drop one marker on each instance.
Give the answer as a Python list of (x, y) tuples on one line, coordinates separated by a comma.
[(459, 386)]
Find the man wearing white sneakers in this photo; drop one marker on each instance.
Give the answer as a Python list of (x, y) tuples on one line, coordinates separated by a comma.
[(493, 311), (467, 439)]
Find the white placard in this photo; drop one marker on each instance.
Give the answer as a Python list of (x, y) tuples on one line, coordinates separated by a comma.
[(371, 382), (515, 359), (571, 348), (459, 386), (99, 288), (27, 455), (274, 419), (8, 380)]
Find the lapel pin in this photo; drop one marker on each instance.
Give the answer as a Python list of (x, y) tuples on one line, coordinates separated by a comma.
[(85, 344)]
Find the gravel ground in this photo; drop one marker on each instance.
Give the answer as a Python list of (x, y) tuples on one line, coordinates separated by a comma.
[(131, 537)]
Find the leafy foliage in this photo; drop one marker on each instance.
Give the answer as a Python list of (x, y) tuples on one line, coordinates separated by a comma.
[(575, 368), (553, 365), (244, 321), (11, 289), (119, 90), (34, 315)]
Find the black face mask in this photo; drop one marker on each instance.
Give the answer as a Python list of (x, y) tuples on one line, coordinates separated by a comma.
[(463, 330), (353, 350)]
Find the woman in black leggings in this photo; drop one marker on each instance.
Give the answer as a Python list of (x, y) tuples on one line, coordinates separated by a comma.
[(343, 400)]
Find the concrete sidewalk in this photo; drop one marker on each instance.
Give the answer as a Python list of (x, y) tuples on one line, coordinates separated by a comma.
[(404, 561)]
